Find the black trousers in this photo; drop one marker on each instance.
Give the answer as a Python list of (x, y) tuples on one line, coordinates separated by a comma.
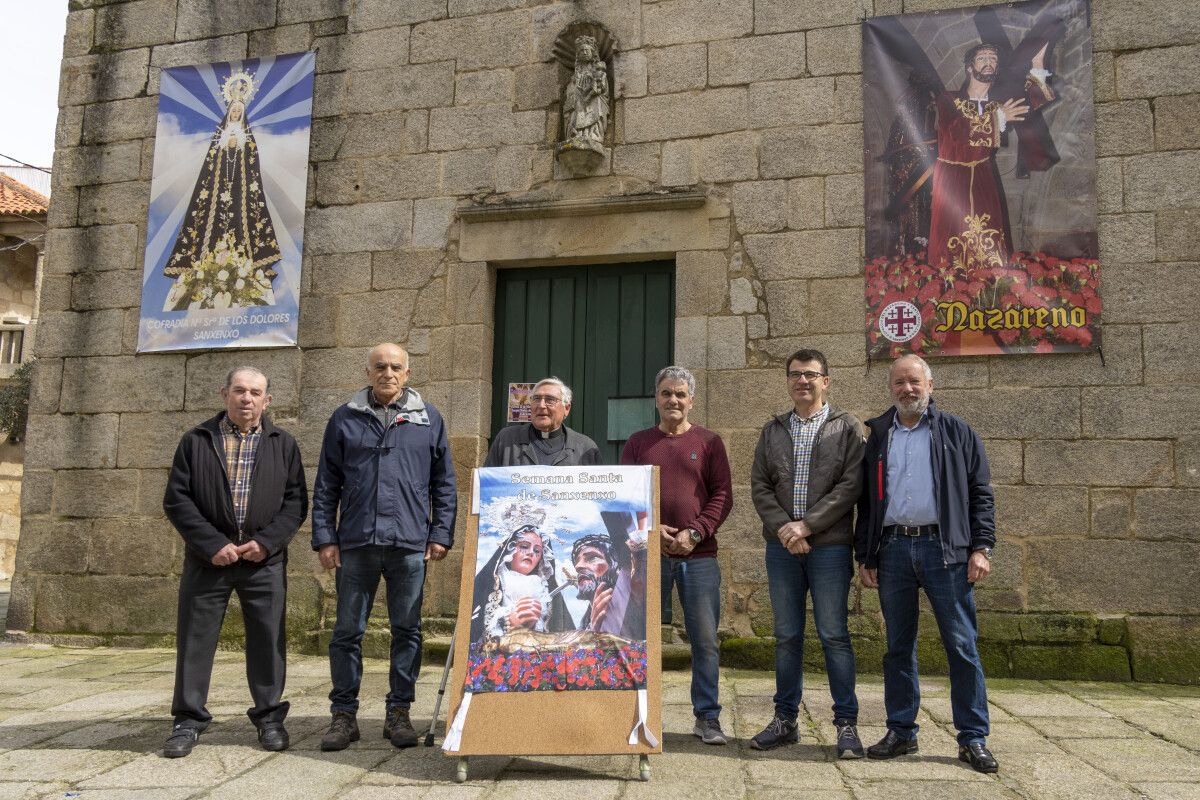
[(203, 599)]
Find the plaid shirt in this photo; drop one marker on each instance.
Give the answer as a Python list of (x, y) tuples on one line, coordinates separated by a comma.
[(240, 452), (804, 434)]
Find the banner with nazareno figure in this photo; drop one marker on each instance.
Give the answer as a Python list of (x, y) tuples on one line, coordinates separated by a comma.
[(559, 599), (979, 164), (225, 228)]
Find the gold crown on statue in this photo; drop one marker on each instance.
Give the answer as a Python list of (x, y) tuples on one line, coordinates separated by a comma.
[(238, 86)]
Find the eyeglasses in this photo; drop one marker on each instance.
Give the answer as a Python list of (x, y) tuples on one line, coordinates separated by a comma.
[(545, 399), (807, 374)]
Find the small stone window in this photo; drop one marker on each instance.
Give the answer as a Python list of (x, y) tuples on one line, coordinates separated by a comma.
[(12, 341)]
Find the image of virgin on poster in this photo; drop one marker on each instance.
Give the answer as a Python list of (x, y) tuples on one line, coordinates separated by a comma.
[(559, 600), (979, 181), (225, 229)]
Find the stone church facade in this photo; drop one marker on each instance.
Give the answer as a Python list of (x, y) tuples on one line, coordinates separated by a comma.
[(734, 150)]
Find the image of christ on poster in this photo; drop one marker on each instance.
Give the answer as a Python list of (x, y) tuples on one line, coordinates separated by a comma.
[(979, 181), (559, 595)]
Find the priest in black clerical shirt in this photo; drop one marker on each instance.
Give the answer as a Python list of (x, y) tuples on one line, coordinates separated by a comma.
[(545, 440)]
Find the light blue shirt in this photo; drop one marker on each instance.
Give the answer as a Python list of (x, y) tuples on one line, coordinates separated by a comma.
[(910, 497)]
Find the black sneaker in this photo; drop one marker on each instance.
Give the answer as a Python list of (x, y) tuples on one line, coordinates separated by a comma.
[(343, 730), (398, 727), (181, 741), (709, 731), (779, 731), (848, 743)]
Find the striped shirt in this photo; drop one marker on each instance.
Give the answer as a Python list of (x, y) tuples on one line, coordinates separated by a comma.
[(240, 452), (804, 434)]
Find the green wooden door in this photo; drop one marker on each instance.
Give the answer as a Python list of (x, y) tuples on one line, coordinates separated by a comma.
[(604, 329)]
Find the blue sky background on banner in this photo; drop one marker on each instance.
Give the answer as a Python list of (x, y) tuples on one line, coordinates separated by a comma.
[(189, 111), (569, 519)]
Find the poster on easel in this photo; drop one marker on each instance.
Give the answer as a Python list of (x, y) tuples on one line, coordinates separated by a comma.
[(557, 649)]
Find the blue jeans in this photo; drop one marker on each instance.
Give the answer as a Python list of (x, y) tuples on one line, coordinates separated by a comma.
[(699, 582), (907, 564), (357, 581), (825, 573)]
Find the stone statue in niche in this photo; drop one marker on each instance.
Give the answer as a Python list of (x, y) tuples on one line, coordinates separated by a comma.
[(585, 100), (584, 48)]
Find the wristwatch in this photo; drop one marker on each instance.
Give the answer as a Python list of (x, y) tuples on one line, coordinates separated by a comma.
[(987, 552), (695, 536)]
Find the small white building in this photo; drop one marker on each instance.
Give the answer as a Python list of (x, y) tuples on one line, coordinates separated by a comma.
[(22, 242)]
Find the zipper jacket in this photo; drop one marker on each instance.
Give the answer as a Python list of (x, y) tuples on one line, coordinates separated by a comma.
[(834, 477), (390, 486), (199, 504), (961, 486)]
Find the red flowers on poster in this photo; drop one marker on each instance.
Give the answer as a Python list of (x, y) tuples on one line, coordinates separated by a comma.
[(582, 668), (1036, 304)]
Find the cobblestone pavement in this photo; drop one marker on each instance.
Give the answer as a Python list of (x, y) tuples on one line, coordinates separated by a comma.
[(89, 724)]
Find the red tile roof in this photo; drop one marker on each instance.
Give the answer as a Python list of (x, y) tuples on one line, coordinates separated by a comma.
[(17, 198)]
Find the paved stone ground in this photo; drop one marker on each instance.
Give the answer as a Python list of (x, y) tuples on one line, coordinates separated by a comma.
[(89, 724)]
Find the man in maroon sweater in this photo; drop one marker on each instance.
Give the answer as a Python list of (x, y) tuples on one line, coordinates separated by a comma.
[(696, 497)]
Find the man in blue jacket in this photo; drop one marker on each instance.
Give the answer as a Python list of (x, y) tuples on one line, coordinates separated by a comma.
[(926, 519), (386, 465)]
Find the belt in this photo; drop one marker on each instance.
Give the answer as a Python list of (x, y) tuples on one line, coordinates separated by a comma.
[(910, 530), (963, 163)]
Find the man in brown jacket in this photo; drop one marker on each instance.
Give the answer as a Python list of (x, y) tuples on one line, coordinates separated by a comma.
[(806, 478)]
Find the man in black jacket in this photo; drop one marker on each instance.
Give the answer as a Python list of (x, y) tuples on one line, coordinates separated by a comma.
[(926, 520), (236, 494)]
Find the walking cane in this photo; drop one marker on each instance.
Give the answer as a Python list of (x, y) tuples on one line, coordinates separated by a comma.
[(437, 705)]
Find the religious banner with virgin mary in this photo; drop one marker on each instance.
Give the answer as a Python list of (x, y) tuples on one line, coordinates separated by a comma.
[(225, 232), (979, 169)]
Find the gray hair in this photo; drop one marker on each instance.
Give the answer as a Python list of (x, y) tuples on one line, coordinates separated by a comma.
[(562, 387), (916, 359), (251, 370), (674, 373)]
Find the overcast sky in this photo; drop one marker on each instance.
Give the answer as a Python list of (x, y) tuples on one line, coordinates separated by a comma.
[(29, 62)]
